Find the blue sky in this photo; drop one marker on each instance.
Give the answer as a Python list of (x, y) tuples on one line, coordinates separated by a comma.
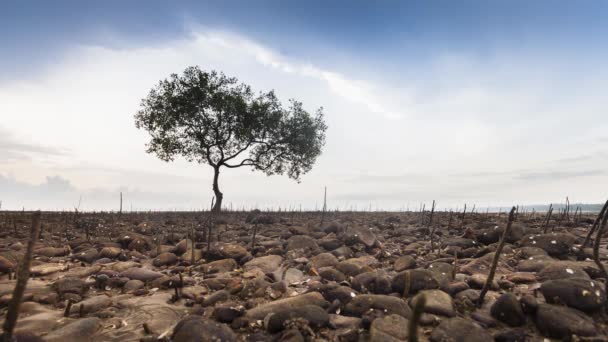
[(389, 32), (488, 102)]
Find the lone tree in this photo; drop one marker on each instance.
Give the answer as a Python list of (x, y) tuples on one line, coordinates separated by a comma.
[(210, 118)]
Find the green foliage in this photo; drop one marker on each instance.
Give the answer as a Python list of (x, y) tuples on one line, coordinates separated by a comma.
[(210, 118)]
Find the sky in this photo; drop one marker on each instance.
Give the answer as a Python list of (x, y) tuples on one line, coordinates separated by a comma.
[(491, 103)]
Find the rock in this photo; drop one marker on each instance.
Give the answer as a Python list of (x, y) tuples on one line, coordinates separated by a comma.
[(351, 268), (46, 269), (330, 244), (198, 255), (358, 234), (181, 247), (508, 310), (442, 272), (315, 315), (215, 297), (199, 329), (511, 335), (331, 274), (133, 285), (555, 244), (142, 274), (437, 302), (562, 322), (6, 265), (310, 298), (529, 304), (70, 285), (227, 251), (482, 265), (292, 275), (579, 293), (91, 305), (419, 280), (386, 304), (110, 252), (491, 235), (88, 255), (79, 330), (454, 287), (534, 263), (302, 242), (24, 336), (343, 294), (220, 266), (124, 265), (165, 259), (391, 328), (374, 282), (267, 264), (459, 330), (139, 243), (324, 260), (556, 270), (228, 312), (403, 263), (52, 252), (521, 277)]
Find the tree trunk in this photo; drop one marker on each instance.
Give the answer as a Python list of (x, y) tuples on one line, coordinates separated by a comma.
[(216, 190)]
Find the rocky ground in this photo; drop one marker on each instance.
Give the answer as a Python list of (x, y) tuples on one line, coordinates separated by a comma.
[(355, 277)]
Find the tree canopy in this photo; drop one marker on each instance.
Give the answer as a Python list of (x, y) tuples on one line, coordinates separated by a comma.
[(210, 118)]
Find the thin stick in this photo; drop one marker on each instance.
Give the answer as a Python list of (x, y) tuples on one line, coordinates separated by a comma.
[(596, 251), (416, 314), (597, 221), (501, 244)]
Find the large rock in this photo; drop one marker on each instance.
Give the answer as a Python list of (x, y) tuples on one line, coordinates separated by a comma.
[(459, 330), (391, 328), (311, 298), (405, 262), (556, 270), (88, 255), (267, 264), (316, 316), (110, 252), (419, 280), (302, 242), (220, 266), (6, 265), (359, 234), (579, 293), (374, 282), (324, 260), (92, 304), (555, 244), (482, 265), (386, 304), (493, 234), (52, 251), (353, 266), (562, 322), (142, 274), (76, 331), (508, 310), (227, 251), (437, 302), (165, 259), (199, 329), (70, 285)]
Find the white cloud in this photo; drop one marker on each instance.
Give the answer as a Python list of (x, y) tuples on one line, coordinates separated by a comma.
[(459, 116)]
